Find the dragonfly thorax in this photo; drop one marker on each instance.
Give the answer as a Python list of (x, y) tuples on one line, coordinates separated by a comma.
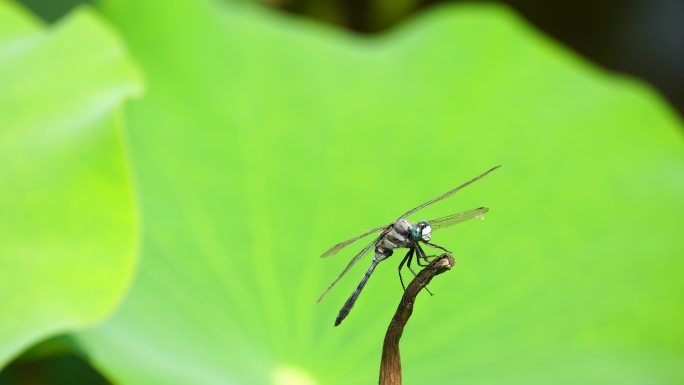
[(421, 231), (398, 235)]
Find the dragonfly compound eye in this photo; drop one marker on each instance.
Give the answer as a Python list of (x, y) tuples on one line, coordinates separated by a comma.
[(426, 232), (416, 232), (421, 230)]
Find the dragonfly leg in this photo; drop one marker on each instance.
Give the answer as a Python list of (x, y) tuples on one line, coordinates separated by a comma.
[(437, 247), (408, 264), (420, 254), (408, 255), (428, 257), (419, 259)]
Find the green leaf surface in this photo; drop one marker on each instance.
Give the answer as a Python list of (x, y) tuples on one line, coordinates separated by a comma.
[(68, 228), (265, 140)]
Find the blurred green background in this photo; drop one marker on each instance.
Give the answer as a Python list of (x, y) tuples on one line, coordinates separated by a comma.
[(171, 171)]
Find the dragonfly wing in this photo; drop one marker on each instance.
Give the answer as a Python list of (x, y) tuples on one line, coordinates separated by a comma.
[(453, 219), (333, 250), (350, 264), (448, 193)]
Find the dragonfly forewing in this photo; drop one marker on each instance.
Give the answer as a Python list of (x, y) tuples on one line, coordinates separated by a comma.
[(461, 217), (448, 193)]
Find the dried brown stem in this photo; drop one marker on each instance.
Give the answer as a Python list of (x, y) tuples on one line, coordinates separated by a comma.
[(390, 366)]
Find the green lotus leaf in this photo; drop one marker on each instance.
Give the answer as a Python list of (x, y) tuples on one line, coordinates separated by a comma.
[(264, 140), (68, 227)]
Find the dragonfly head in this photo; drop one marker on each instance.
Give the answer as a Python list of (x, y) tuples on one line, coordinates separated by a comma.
[(421, 231)]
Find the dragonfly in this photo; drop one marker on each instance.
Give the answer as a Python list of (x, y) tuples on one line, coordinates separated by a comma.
[(401, 234)]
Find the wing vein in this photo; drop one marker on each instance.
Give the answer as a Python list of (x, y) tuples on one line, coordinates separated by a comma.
[(448, 193), (461, 217)]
